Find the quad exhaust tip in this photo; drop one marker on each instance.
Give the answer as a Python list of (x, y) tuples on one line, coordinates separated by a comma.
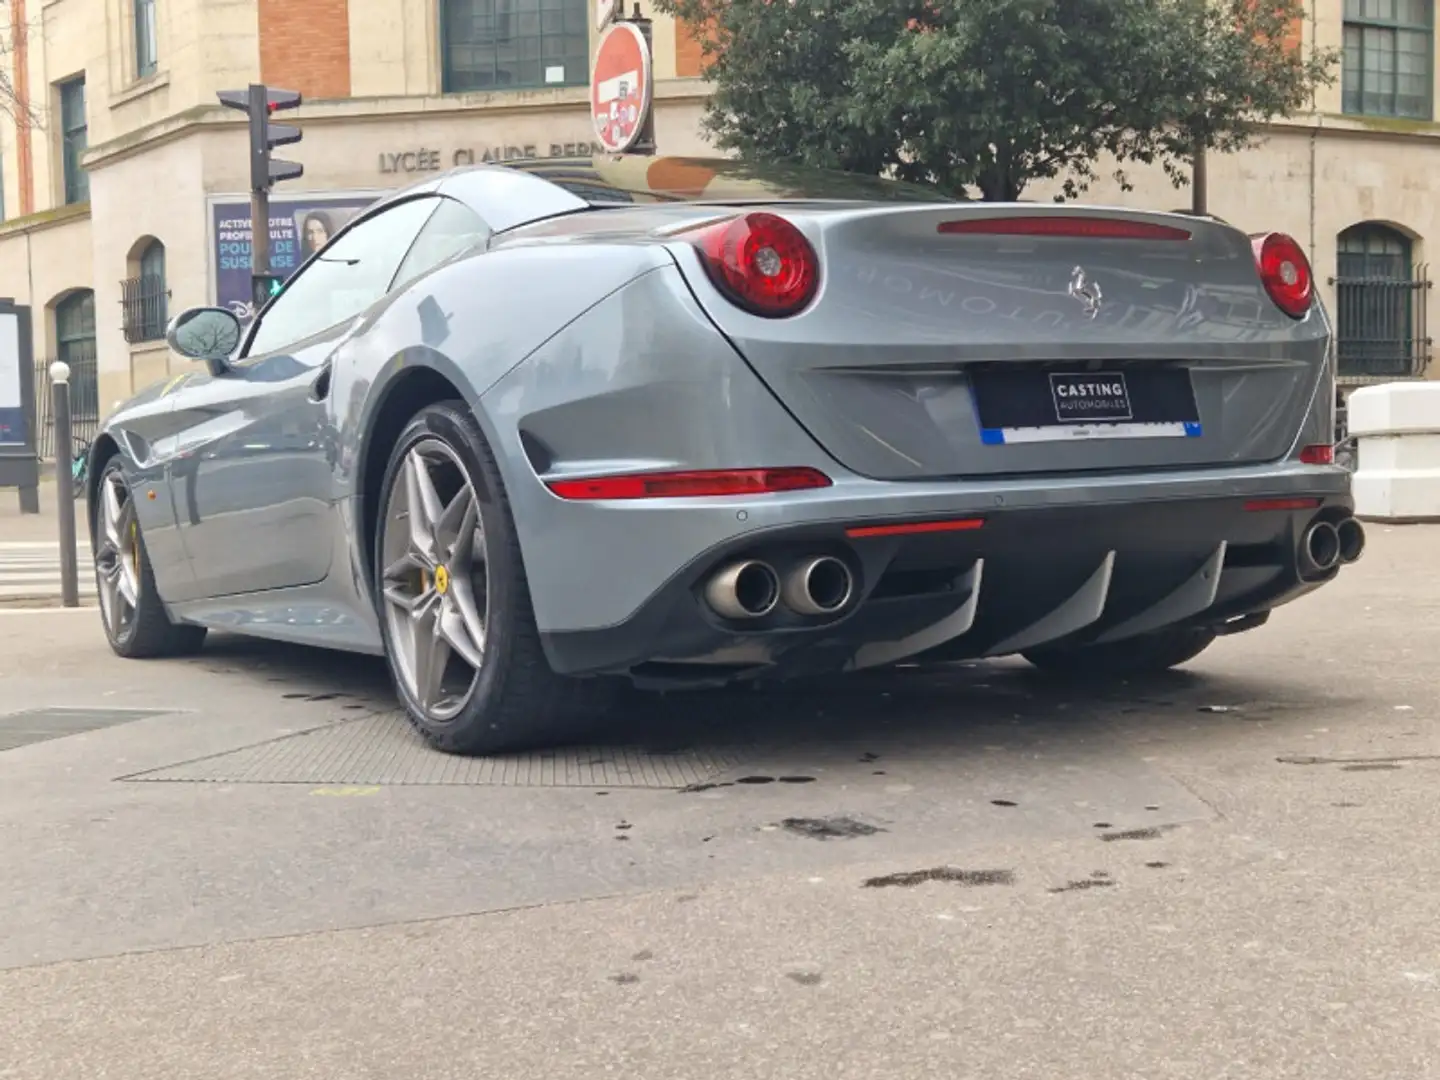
[(748, 589), (1320, 548), (819, 586), (1351, 535)]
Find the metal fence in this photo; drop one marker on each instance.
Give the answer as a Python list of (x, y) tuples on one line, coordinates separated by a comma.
[(1380, 324), (84, 399), (144, 302)]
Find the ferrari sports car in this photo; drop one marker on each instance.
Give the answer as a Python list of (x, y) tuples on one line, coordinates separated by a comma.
[(531, 430)]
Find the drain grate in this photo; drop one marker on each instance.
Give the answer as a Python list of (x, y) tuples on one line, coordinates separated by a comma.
[(41, 725), (383, 750)]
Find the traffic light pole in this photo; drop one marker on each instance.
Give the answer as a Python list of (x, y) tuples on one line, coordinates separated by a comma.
[(259, 232)]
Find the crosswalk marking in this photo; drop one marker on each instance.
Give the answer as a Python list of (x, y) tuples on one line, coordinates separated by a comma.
[(32, 569)]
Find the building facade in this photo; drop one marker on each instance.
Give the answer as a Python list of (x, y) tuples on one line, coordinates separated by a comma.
[(125, 199)]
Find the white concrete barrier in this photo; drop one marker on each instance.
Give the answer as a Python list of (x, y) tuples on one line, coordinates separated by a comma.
[(1396, 427)]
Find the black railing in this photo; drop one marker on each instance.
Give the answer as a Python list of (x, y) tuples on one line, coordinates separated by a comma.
[(1381, 325), (84, 398), (145, 301)]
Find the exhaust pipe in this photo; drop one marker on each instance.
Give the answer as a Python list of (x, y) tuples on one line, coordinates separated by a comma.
[(744, 590), (1352, 540), (1319, 548), (819, 586)]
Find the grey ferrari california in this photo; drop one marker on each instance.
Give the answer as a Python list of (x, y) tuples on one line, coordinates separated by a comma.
[(531, 430)]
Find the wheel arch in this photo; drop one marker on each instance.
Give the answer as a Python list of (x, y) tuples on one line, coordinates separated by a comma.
[(101, 451), (401, 398)]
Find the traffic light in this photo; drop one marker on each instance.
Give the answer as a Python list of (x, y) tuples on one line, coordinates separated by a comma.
[(259, 102), (263, 287)]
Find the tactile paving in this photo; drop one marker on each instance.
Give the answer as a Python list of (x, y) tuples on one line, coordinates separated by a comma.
[(382, 749)]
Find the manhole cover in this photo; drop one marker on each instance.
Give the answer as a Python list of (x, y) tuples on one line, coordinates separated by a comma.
[(41, 725), (383, 750)]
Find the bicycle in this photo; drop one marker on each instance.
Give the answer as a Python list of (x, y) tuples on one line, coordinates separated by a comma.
[(80, 466)]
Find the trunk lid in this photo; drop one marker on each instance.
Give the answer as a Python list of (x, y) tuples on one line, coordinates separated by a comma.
[(938, 346)]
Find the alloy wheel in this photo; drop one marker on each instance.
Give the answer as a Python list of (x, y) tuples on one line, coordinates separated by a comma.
[(435, 581), (117, 556)]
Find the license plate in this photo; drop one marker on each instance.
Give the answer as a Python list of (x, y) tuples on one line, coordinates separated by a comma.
[(1021, 404)]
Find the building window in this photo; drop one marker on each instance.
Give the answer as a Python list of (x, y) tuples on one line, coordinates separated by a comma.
[(514, 44), (1380, 299), (146, 49), (74, 133), (1389, 57), (145, 297)]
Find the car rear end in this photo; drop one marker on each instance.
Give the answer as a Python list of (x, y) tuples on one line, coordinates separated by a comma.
[(1033, 424)]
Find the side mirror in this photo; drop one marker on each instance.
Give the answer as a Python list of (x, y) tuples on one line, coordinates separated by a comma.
[(210, 334)]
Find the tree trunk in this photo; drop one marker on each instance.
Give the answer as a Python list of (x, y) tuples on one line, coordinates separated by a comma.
[(1199, 180)]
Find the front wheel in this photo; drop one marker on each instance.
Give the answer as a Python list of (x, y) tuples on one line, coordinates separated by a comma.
[(131, 610), (455, 608), (1145, 655)]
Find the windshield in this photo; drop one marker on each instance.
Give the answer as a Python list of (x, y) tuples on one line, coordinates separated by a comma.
[(633, 179)]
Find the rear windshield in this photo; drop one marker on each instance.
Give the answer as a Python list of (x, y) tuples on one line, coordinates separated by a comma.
[(628, 179)]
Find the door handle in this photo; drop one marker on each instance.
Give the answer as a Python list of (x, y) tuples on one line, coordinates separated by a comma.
[(320, 388)]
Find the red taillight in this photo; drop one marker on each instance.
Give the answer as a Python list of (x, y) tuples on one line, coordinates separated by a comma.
[(762, 262), (914, 528), (1257, 506), (1285, 272), (690, 485), (1322, 454), (1088, 228)]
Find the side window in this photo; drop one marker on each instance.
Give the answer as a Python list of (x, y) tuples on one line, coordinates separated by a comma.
[(343, 280), (452, 229)]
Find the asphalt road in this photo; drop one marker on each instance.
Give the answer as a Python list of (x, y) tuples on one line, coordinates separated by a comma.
[(974, 872)]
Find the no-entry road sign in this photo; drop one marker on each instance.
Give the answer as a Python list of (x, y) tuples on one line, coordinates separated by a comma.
[(620, 87)]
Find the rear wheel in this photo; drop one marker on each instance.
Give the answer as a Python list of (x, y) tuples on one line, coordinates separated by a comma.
[(1145, 655), (455, 607), (130, 606)]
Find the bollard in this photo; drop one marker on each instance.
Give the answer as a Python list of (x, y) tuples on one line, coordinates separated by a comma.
[(64, 483)]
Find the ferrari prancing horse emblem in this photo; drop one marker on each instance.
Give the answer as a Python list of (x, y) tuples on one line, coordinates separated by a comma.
[(1086, 291)]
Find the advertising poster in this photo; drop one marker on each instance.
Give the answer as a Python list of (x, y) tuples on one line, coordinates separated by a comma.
[(298, 228), (12, 404)]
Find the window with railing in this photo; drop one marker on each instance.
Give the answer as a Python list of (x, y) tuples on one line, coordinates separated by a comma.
[(74, 139), (146, 47), (514, 44), (145, 298), (1389, 57), (1380, 305)]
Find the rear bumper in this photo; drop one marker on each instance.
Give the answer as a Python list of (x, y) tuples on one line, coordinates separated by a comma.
[(1027, 577)]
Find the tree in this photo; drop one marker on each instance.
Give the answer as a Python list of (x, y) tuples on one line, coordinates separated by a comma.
[(988, 96), (11, 103)]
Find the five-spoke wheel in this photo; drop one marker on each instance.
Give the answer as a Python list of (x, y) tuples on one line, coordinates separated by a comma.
[(455, 610), (131, 610)]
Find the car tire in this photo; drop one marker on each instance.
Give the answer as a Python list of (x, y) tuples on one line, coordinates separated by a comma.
[(1145, 655), (514, 700), (131, 611)]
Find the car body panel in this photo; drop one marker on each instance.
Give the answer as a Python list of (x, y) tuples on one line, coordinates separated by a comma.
[(593, 343)]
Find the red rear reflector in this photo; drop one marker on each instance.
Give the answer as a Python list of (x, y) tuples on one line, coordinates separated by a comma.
[(1260, 505), (915, 527), (1083, 227), (1323, 454), (690, 485)]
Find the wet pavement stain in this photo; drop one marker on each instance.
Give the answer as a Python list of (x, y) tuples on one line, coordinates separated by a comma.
[(1082, 884), (1377, 766), (1156, 865), (625, 978), (797, 779), (836, 828), (1154, 832), (967, 878), (804, 978), (643, 955), (1002, 802)]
